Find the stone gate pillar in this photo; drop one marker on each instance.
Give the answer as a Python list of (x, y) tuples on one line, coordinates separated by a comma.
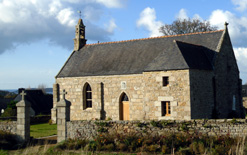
[(23, 118), (63, 115), (55, 100)]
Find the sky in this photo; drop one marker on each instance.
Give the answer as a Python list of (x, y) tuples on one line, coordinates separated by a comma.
[(36, 36)]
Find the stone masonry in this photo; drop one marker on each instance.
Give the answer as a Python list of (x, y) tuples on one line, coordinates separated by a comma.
[(145, 92), (63, 115), (8, 126), (91, 129), (245, 102), (190, 93), (23, 118)]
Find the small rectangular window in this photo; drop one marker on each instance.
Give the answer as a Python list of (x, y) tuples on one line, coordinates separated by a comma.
[(165, 81), (165, 108), (243, 91), (234, 102)]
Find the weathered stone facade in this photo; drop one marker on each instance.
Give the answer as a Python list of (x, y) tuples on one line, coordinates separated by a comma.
[(145, 92), (227, 82), (202, 94)]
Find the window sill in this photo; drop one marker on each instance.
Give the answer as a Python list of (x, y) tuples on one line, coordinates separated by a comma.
[(166, 115)]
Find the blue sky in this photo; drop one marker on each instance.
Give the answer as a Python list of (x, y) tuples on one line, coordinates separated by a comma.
[(36, 37)]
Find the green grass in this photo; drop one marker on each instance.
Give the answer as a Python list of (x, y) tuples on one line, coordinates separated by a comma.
[(4, 152), (43, 130)]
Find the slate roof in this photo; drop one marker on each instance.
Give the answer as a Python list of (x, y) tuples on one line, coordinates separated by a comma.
[(40, 102), (4, 102), (188, 51)]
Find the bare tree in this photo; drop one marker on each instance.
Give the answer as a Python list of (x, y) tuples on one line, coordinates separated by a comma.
[(42, 87), (182, 26)]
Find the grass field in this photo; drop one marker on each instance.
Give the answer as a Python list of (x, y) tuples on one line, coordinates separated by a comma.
[(43, 130)]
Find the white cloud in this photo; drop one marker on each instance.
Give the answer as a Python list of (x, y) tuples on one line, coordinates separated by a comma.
[(242, 4), (196, 16), (92, 13), (106, 3), (238, 32), (182, 14), (241, 56), (237, 25), (148, 21), (111, 26), (26, 21), (111, 3), (65, 17)]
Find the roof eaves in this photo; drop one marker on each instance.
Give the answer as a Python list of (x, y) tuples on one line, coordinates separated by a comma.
[(64, 64)]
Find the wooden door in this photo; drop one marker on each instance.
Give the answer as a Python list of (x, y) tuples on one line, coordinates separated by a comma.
[(126, 110)]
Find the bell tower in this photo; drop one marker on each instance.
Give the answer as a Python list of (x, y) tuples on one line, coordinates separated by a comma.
[(79, 40)]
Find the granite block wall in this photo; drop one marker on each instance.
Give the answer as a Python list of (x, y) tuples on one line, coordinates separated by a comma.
[(9, 126), (145, 92), (90, 129)]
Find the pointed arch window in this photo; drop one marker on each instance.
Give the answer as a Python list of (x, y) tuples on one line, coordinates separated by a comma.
[(87, 96)]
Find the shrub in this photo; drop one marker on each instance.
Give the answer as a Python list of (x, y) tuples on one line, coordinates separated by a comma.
[(108, 147), (166, 123), (7, 140), (184, 127), (102, 124), (72, 144), (9, 112), (122, 147), (109, 119), (164, 149), (180, 143), (139, 124), (12, 104), (153, 148), (92, 146), (102, 129), (50, 122), (155, 123), (197, 148)]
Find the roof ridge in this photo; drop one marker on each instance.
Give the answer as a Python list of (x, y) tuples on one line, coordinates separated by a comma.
[(186, 43), (177, 35)]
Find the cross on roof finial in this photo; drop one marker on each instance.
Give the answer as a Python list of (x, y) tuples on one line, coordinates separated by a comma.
[(226, 23), (79, 13), (64, 93), (23, 95)]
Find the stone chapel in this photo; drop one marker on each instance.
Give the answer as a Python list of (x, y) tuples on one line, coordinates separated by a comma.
[(179, 77)]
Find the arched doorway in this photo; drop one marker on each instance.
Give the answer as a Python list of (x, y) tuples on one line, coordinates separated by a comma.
[(124, 107)]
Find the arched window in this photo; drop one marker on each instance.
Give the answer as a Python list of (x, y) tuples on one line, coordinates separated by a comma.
[(87, 93)]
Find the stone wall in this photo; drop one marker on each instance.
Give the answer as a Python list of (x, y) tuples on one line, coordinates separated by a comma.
[(202, 94), (177, 93), (90, 129), (227, 81), (9, 126), (145, 92), (245, 102)]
